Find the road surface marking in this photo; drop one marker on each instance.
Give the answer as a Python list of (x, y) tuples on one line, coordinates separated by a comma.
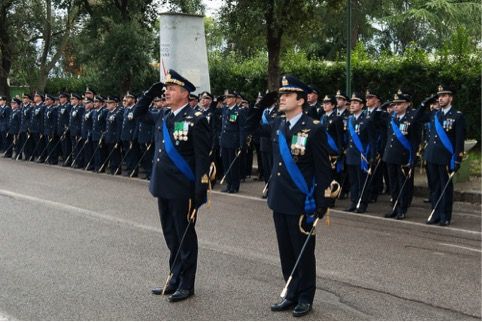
[(462, 247)]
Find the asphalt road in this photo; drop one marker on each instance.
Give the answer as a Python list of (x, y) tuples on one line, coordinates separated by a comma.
[(82, 246)]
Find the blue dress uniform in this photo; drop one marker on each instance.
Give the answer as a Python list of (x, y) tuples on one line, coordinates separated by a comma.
[(179, 192), (99, 120), (112, 135), (26, 140), (63, 128), (130, 146), (50, 133), (447, 132), (230, 142), (270, 112), (75, 127), (315, 111), (333, 127), (86, 133), (14, 129), (306, 148), (358, 162), (37, 128), (145, 139), (342, 176), (5, 111), (399, 155)]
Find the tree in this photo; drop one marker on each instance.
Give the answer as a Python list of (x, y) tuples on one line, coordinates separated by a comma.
[(5, 46)]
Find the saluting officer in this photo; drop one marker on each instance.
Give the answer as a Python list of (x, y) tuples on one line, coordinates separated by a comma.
[(50, 131), (14, 128), (179, 177), (63, 125), (5, 111), (360, 152), (230, 142), (75, 126), (333, 127), (444, 152), (301, 172), (112, 134)]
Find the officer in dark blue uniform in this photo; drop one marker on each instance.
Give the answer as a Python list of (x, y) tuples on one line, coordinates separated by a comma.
[(313, 107), (179, 177), (230, 142), (112, 135), (301, 172), (63, 126), (50, 131), (5, 111), (360, 152), (268, 104), (401, 130), (14, 128), (333, 127), (37, 125), (99, 116), (26, 140), (75, 127), (130, 147), (444, 152), (87, 149), (343, 112)]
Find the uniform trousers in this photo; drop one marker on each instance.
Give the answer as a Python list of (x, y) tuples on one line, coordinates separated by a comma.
[(439, 177)]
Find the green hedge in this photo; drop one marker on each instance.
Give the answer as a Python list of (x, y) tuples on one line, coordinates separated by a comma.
[(414, 73)]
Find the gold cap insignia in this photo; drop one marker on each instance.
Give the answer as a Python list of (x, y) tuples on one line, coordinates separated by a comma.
[(395, 97), (353, 95), (399, 92), (284, 81), (367, 92), (338, 92), (205, 179), (326, 98), (440, 88)]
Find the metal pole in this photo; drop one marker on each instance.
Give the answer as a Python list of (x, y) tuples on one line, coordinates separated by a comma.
[(348, 49)]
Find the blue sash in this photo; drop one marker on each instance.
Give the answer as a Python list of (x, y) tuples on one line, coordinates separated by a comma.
[(359, 145), (264, 120), (297, 177), (402, 139), (175, 157), (445, 140), (331, 142)]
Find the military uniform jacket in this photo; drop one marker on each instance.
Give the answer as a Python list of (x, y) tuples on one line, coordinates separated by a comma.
[(380, 119), (99, 117), (50, 120), (334, 126), (211, 117), (344, 118), (63, 118), (364, 127), (113, 126), (86, 126), (75, 120), (453, 124), (5, 112), (26, 116), (232, 122), (167, 181), (314, 111), (283, 194), (129, 125), (15, 121), (37, 119)]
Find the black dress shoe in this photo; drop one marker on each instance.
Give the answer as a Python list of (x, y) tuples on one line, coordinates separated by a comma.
[(351, 208), (283, 305), (444, 223), (432, 221), (401, 216), (301, 309), (225, 190), (180, 295), (391, 214), (426, 200), (158, 290), (362, 209)]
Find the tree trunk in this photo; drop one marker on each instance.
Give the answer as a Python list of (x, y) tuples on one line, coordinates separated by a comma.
[(5, 49), (274, 34)]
